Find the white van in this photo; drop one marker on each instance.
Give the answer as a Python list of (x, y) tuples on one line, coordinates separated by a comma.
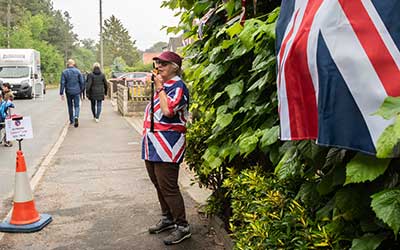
[(21, 69)]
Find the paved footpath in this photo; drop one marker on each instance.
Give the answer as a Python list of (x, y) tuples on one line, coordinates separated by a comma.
[(98, 192)]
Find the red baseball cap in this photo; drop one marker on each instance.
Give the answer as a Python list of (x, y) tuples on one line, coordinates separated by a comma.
[(169, 56)]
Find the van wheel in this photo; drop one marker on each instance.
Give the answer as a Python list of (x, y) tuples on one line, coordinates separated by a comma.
[(30, 94)]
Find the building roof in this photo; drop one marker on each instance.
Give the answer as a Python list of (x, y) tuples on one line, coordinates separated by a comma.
[(148, 57)]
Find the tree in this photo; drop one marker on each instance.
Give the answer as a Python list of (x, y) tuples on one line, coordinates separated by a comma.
[(84, 58), (89, 44), (118, 65), (60, 33), (157, 47), (118, 43)]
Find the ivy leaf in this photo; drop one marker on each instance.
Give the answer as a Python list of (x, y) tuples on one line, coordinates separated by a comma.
[(386, 205), (389, 108), (234, 29), (269, 29), (288, 165), (214, 54), (367, 242), (274, 155), (228, 43), (222, 109), (200, 7), (223, 120), (237, 52), (259, 83), (211, 159), (273, 15), (350, 203), (247, 35), (387, 145), (248, 144), (234, 89), (364, 168), (212, 72), (270, 137), (218, 95), (329, 181)]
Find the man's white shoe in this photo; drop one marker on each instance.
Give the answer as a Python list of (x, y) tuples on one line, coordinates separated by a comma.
[(97, 120)]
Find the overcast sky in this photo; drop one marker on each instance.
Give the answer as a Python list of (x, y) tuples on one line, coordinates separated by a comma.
[(142, 18)]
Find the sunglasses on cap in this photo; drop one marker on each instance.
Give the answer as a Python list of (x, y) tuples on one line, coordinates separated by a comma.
[(162, 63)]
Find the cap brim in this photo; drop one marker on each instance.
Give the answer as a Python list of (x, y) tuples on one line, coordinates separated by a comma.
[(161, 59)]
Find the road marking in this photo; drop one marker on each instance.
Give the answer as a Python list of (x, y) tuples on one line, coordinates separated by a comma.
[(133, 143), (42, 167)]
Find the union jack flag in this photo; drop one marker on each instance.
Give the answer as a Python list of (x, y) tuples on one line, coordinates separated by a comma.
[(337, 62)]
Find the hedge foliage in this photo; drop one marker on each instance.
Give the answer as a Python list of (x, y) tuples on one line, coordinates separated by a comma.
[(274, 194)]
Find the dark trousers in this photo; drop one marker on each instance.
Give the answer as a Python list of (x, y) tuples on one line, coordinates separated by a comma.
[(96, 108), (164, 176), (73, 106)]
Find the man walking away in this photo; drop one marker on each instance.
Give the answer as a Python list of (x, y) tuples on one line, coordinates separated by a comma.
[(72, 84)]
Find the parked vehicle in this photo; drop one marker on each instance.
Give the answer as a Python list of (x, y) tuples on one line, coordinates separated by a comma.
[(144, 77), (21, 68)]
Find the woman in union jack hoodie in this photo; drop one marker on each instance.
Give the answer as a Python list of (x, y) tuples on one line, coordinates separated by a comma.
[(163, 144)]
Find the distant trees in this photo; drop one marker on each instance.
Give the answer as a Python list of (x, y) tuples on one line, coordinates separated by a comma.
[(157, 47), (36, 24), (118, 43)]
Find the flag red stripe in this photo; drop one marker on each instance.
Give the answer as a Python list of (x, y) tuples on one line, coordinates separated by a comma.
[(163, 145), (166, 127), (373, 44), (179, 154), (284, 44), (299, 86)]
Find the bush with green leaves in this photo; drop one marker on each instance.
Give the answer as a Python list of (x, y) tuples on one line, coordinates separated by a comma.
[(266, 214), (347, 200)]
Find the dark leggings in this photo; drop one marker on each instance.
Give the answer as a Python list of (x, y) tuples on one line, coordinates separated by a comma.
[(96, 108), (164, 176)]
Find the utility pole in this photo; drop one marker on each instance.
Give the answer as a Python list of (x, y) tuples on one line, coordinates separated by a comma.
[(101, 35), (8, 22)]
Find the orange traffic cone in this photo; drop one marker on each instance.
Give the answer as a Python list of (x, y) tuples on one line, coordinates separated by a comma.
[(25, 217)]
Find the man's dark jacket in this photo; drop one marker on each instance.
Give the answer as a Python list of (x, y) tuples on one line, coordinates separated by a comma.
[(71, 81)]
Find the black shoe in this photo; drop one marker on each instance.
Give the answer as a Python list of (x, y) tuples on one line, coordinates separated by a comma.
[(76, 123), (162, 225), (181, 233)]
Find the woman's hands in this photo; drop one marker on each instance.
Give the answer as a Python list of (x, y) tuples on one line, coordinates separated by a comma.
[(159, 85), (158, 81)]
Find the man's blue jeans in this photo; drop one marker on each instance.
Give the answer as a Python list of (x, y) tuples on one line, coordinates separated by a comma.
[(73, 105), (96, 108)]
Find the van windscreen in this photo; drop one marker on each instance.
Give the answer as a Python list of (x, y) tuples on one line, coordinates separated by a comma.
[(14, 72)]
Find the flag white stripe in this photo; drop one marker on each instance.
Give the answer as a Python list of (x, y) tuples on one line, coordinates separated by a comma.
[(178, 145), (387, 39), (361, 78), (312, 47), (160, 151)]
